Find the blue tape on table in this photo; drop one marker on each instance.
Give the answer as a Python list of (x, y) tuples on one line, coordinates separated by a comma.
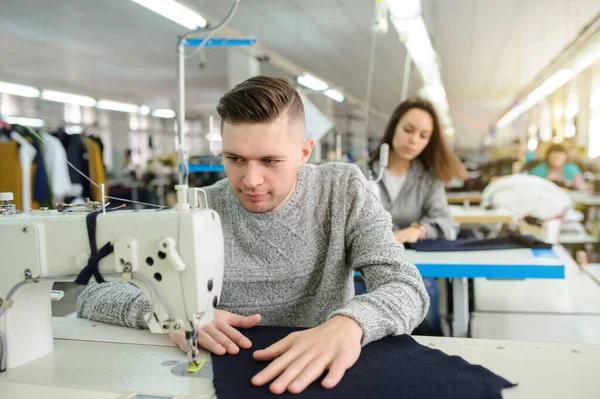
[(545, 253)]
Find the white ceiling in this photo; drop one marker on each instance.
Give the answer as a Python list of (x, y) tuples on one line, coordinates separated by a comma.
[(489, 49)]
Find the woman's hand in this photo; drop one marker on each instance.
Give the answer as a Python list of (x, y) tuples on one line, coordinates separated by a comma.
[(410, 235)]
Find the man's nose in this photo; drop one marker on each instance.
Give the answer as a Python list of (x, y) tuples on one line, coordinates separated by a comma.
[(253, 177)]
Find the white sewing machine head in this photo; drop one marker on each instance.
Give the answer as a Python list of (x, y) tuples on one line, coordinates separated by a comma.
[(174, 256)]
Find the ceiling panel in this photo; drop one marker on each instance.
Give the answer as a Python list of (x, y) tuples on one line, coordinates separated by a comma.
[(488, 49)]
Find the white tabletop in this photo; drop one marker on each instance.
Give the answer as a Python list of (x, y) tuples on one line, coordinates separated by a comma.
[(577, 293), (476, 214), (109, 370), (585, 198), (547, 327)]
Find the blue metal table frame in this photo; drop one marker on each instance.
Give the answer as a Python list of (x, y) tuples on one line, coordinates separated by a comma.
[(494, 264)]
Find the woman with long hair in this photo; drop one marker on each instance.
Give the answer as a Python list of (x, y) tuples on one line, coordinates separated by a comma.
[(413, 185)]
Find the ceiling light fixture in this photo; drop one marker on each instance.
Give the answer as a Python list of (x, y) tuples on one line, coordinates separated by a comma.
[(68, 98), (145, 110), (335, 95), (312, 82), (175, 11), (19, 90), (544, 90), (164, 113), (411, 28), (117, 106)]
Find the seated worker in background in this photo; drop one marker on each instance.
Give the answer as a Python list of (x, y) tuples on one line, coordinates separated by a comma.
[(413, 185), (294, 233), (556, 169)]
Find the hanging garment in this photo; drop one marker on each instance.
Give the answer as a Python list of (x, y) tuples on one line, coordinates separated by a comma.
[(10, 171), (77, 155), (96, 167), (42, 195), (26, 156), (98, 140), (393, 367), (55, 160)]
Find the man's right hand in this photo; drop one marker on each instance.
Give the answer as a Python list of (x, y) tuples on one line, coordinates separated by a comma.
[(221, 336)]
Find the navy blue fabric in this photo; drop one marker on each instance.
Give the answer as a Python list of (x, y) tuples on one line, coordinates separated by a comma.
[(96, 256), (41, 190), (394, 367), (77, 155), (512, 241)]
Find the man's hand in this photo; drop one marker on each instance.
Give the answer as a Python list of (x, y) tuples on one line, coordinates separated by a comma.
[(303, 356), (411, 234), (221, 336)]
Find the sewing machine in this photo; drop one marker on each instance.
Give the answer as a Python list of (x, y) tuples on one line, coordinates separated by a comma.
[(175, 256)]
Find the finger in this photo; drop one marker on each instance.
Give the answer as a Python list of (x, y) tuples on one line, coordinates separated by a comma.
[(293, 370), (207, 342), (237, 337), (273, 351), (236, 320), (179, 340), (222, 339), (336, 372), (275, 368), (310, 373)]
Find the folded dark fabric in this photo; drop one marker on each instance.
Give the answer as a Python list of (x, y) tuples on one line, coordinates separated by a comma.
[(394, 367), (512, 241)]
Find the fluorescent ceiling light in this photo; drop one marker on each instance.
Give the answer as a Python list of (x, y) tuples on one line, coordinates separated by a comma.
[(175, 11), (411, 28), (19, 90), (544, 90), (145, 110), (117, 106), (586, 58), (29, 122), (311, 82), (336, 95), (68, 98), (164, 113)]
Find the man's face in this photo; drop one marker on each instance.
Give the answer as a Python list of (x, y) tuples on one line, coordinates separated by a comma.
[(262, 161)]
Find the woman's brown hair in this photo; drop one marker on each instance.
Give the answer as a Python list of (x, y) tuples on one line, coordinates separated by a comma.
[(554, 148), (437, 155)]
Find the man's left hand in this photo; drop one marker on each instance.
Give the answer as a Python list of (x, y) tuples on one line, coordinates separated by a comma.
[(303, 356)]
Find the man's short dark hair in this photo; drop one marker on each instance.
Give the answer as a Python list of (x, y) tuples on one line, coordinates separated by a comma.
[(261, 99)]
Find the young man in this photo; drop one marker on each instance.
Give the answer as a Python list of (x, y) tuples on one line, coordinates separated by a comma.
[(294, 234)]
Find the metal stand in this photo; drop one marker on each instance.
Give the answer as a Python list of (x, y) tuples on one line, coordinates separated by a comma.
[(460, 296)]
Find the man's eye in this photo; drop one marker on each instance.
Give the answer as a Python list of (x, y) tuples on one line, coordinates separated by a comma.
[(271, 161), (234, 159)]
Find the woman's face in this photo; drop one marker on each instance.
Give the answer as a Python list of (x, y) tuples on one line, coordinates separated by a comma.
[(412, 134), (557, 159)]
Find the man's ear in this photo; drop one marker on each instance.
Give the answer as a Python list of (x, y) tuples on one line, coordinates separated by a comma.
[(307, 148)]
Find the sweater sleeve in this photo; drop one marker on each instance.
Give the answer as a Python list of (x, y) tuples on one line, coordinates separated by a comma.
[(113, 302), (437, 218), (397, 300)]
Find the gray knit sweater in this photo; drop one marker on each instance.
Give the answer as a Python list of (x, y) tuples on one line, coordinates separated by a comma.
[(295, 266)]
